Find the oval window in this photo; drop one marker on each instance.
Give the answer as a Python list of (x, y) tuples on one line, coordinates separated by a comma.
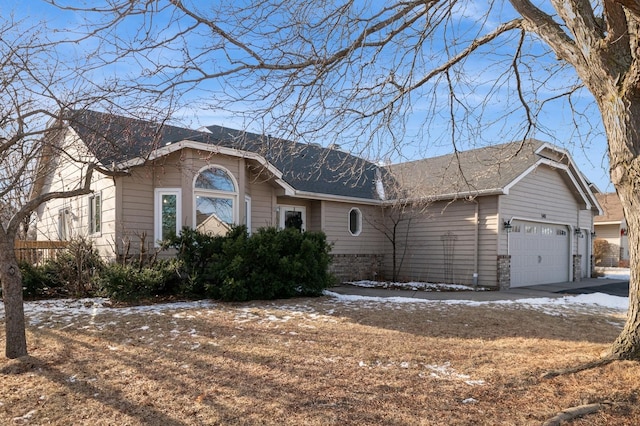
[(355, 221)]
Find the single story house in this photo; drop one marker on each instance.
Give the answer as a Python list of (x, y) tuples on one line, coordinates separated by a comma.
[(611, 246), (502, 216)]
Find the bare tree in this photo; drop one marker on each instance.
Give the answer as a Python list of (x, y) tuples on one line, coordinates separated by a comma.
[(41, 82), (395, 223), (360, 70)]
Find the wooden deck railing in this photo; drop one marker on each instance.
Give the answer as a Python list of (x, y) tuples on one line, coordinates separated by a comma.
[(37, 252)]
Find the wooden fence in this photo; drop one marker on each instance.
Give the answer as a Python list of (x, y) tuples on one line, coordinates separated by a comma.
[(37, 252)]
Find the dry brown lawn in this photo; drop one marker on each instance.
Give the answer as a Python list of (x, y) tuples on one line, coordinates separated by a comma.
[(314, 362)]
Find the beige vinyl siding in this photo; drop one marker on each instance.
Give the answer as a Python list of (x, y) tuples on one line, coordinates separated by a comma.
[(441, 227), (585, 219), (137, 211), (487, 242), (103, 241), (611, 234), (263, 205), (315, 216), (336, 227), (69, 176), (177, 170), (137, 205), (541, 192)]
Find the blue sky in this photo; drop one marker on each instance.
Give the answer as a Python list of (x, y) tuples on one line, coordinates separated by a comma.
[(427, 129)]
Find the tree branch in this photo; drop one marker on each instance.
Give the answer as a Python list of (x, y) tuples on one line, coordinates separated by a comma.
[(632, 6), (540, 23)]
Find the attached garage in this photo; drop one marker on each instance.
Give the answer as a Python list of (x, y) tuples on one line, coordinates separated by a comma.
[(540, 253)]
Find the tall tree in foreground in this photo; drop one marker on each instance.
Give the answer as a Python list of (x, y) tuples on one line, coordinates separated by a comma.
[(363, 72), (41, 82)]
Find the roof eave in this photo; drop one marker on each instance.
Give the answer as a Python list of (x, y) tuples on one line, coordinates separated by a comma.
[(332, 197), (177, 146), (450, 196)]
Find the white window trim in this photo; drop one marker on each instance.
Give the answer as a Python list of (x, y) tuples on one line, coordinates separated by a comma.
[(359, 231), (64, 223), (233, 196), (91, 213), (157, 216), (282, 209), (247, 213)]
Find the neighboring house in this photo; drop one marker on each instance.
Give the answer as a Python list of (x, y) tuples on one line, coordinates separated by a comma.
[(502, 216), (611, 228)]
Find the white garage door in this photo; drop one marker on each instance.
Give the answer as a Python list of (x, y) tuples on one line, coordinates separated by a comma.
[(539, 253)]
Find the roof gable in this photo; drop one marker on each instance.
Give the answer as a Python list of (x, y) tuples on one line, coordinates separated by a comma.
[(611, 208), (467, 173), (116, 139), (312, 170), (307, 168)]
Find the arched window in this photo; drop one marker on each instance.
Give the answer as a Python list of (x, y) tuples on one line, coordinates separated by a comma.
[(215, 195), (355, 221)]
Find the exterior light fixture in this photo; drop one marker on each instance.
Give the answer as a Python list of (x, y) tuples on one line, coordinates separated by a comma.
[(507, 226), (578, 233)]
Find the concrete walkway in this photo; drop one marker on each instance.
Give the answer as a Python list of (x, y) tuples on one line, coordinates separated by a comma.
[(536, 291)]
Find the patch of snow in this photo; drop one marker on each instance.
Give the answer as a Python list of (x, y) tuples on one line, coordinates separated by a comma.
[(26, 417), (469, 401), (446, 372), (414, 285), (600, 299), (614, 273)]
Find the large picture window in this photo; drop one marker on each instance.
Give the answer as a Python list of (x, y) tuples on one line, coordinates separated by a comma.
[(215, 198), (168, 202)]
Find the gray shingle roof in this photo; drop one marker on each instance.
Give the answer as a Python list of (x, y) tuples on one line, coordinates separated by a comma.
[(113, 138), (315, 169), (305, 167), (468, 172)]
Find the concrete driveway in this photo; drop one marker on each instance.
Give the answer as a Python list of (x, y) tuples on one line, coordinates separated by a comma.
[(615, 288), (589, 285)]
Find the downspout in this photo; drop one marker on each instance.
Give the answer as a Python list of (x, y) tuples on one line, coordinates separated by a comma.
[(476, 244)]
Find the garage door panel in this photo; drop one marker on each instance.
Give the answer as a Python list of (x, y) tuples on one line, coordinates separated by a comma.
[(539, 253)]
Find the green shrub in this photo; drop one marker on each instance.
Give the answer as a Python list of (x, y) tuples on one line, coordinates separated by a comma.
[(126, 282), (196, 251), (41, 281), (71, 273), (77, 267), (269, 264)]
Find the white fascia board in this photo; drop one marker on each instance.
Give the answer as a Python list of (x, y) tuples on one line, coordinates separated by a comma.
[(551, 163), (440, 197), (547, 145), (451, 196), (611, 222), (340, 198), (575, 175), (518, 178), (232, 152), (288, 189)]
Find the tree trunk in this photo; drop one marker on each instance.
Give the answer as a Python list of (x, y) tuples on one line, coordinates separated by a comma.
[(621, 117), (16, 340)]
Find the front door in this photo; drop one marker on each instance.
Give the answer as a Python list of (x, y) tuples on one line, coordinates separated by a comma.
[(293, 217)]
